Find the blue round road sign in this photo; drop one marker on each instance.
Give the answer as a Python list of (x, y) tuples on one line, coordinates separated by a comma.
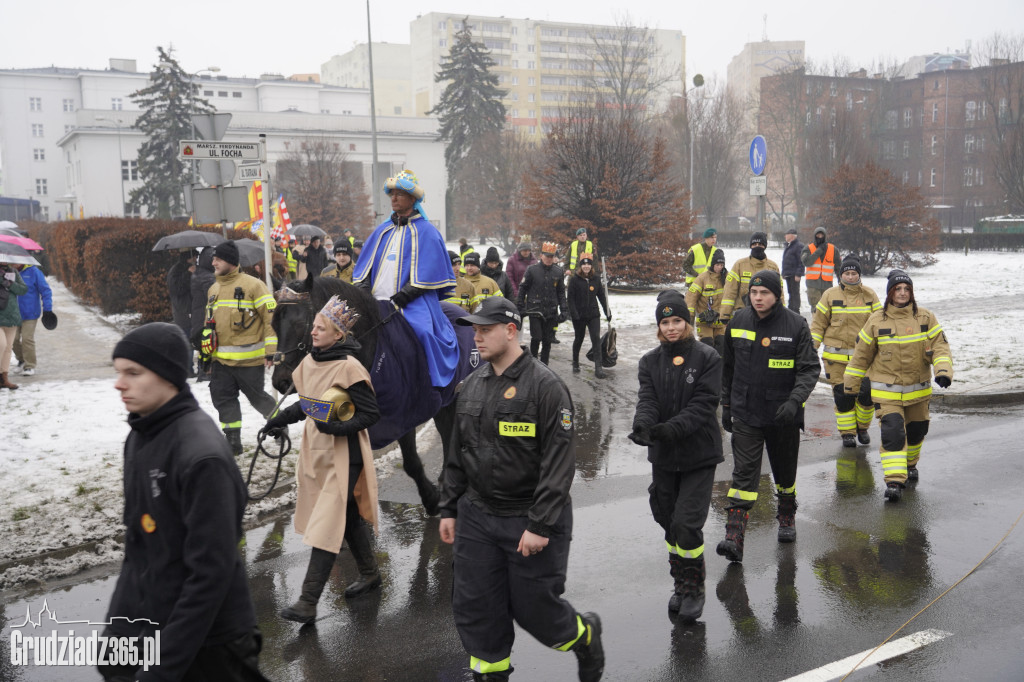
[(758, 154)]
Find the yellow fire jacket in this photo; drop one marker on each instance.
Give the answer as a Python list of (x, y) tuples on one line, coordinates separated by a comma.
[(737, 283), (838, 318), (898, 350), (706, 290), (242, 309), (483, 287), (462, 294)]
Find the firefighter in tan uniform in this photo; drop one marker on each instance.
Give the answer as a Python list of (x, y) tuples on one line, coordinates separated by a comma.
[(242, 310), (483, 286), (737, 282), (898, 350), (704, 299), (838, 318), (462, 294)]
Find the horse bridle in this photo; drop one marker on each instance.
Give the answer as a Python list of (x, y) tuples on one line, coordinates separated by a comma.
[(286, 296)]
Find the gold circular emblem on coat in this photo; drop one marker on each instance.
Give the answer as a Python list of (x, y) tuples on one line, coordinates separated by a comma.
[(591, 287), (510, 393), (765, 341), (148, 524), (678, 360)]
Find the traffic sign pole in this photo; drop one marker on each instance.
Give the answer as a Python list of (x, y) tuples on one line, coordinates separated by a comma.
[(267, 216)]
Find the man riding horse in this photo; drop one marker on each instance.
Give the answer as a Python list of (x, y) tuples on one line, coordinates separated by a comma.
[(406, 260)]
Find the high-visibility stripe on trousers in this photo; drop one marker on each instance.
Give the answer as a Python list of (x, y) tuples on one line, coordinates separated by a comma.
[(846, 421), (894, 465), (914, 453), (864, 415)]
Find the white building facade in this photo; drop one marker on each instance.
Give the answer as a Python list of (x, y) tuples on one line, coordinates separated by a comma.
[(88, 145), (392, 75)]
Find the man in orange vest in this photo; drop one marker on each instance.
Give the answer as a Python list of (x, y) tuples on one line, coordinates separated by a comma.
[(822, 261)]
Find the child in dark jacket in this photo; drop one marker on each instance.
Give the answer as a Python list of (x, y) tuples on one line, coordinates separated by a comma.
[(680, 382)]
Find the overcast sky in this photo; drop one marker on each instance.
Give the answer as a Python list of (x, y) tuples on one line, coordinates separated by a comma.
[(296, 36)]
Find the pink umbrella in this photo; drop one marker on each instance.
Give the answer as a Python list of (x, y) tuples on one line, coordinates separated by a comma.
[(23, 242)]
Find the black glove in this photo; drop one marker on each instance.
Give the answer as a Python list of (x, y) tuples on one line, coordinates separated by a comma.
[(608, 317), (708, 317), (786, 413), (727, 418), (641, 436), (276, 425), (401, 298), (943, 381), (562, 317), (49, 320), (661, 432)]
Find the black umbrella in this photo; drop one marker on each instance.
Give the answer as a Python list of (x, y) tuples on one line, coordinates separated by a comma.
[(189, 239), (250, 252), (12, 253), (307, 231)]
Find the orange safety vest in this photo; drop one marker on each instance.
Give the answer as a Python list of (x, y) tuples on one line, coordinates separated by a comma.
[(824, 269)]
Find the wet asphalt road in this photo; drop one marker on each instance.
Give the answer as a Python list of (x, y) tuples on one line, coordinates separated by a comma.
[(858, 571)]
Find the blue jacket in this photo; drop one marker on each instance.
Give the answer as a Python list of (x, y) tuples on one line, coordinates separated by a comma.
[(792, 266), (37, 287)]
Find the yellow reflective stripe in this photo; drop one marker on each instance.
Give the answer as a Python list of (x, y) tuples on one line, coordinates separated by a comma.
[(942, 358), (910, 338), (728, 301), (270, 340), (688, 553), (894, 395), (854, 372), (733, 276), (835, 357), (695, 289), (851, 310), (743, 334), (233, 303), (934, 331), (523, 429), (865, 337), (580, 630), (230, 425), (864, 414), (266, 300), (875, 306), (822, 308), (483, 667), (745, 278), (776, 363), (248, 352), (786, 491), (894, 462), (742, 494), (816, 337)]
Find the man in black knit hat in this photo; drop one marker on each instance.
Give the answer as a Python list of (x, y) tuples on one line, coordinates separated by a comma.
[(768, 370), (182, 574)]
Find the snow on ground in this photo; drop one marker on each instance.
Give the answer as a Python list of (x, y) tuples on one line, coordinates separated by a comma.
[(64, 429)]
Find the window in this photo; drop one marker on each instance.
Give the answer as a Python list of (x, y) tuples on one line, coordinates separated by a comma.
[(222, 93), (515, 63), (132, 211), (808, 121), (443, 42), (906, 177), (908, 118), (515, 96), (889, 149), (1002, 109), (69, 105), (236, 94), (493, 27), (398, 111), (129, 170), (832, 117), (968, 144), (35, 103), (515, 113), (918, 178), (39, 154), (808, 88), (979, 179), (441, 25), (551, 31), (530, 98), (515, 80), (37, 130), (207, 93), (41, 186), (531, 81), (891, 119), (515, 47), (116, 103), (972, 110), (906, 150), (552, 80), (935, 112), (935, 86), (832, 90), (531, 48), (533, 113), (325, 111), (533, 130), (531, 65), (983, 111), (932, 180), (849, 101), (832, 148), (515, 30), (968, 177), (935, 145), (981, 144)]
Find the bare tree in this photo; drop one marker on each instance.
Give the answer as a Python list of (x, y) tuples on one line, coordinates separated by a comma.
[(718, 155), (782, 119), (1002, 87), (324, 188)]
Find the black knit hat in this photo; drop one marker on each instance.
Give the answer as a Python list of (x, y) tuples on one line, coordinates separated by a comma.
[(454, 257), (671, 304), (492, 256), (898, 277), (769, 279), (759, 238), (851, 262), (471, 259), (159, 347), (227, 252), (718, 257)]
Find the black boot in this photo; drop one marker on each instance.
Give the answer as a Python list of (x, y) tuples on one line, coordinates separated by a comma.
[(304, 610), (588, 649), (893, 491), (689, 577), (912, 474), (492, 677), (787, 518), (849, 440), (599, 362), (360, 543), (863, 437), (735, 526), (576, 363), (234, 437)]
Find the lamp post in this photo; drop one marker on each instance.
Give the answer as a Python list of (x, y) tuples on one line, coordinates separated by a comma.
[(698, 82), (120, 157)]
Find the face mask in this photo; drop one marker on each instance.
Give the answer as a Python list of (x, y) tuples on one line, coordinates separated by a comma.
[(757, 252)]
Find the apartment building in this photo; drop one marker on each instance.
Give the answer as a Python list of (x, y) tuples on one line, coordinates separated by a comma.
[(392, 76)]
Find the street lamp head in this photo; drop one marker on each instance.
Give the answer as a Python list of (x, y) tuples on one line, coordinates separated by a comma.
[(698, 80)]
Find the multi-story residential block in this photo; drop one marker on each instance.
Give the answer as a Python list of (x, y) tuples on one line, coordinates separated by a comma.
[(392, 75)]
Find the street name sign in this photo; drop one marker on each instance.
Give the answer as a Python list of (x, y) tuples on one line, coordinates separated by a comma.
[(234, 151), (250, 173)]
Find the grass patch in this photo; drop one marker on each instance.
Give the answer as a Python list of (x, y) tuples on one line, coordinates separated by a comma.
[(20, 514)]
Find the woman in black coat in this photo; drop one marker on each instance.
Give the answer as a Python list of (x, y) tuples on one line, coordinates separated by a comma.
[(680, 383), (584, 292)]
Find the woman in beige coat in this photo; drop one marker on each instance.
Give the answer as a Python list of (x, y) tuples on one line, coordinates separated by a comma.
[(337, 483)]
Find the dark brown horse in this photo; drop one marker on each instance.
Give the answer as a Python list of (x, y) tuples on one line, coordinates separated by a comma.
[(293, 322)]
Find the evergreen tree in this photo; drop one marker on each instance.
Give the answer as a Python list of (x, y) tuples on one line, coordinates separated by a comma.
[(167, 103), (470, 109)]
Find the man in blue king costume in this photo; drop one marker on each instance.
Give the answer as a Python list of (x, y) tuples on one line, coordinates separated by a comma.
[(406, 260)]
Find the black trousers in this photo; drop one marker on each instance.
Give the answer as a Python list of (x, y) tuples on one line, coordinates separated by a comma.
[(234, 661), (793, 294), (748, 446), (542, 333), (494, 585), (680, 501), (581, 327), (226, 383)]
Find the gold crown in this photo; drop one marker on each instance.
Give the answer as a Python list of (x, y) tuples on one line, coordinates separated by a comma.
[(549, 247)]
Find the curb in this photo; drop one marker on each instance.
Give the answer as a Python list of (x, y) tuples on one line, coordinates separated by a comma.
[(986, 399)]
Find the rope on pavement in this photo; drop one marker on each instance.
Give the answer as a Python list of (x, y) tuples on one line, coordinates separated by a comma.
[(976, 567)]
